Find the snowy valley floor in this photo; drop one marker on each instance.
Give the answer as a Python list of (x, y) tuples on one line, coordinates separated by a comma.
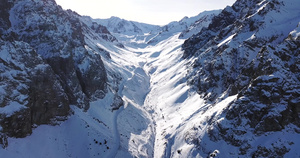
[(159, 117), (153, 90)]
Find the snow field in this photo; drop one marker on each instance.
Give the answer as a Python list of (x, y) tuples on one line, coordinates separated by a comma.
[(159, 108)]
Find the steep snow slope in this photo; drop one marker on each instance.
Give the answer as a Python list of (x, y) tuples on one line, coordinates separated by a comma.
[(184, 25), (188, 26), (170, 101), (246, 52), (202, 20), (98, 131)]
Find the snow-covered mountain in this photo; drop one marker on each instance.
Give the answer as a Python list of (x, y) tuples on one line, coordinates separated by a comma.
[(196, 23), (124, 30), (47, 64), (73, 86), (188, 26), (125, 27), (142, 35), (249, 54)]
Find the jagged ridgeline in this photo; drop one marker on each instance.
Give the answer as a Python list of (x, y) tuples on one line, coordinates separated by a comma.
[(46, 64), (250, 50)]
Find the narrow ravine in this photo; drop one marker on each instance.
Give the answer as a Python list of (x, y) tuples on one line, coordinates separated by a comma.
[(132, 126), (138, 126)]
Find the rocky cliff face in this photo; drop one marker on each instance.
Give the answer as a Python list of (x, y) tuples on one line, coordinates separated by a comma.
[(233, 40), (187, 26), (203, 20), (58, 37), (30, 92), (46, 64), (250, 50)]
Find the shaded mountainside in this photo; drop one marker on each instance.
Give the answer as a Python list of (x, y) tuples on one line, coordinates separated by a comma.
[(46, 64), (250, 50), (30, 92)]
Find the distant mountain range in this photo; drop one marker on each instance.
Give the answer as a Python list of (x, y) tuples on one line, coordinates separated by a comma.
[(152, 34)]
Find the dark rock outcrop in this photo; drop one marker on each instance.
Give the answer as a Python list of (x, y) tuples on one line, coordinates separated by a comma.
[(247, 51), (31, 94), (58, 37), (46, 65)]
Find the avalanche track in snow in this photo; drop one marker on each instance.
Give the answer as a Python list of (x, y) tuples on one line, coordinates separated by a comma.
[(153, 95), (153, 88), (161, 110)]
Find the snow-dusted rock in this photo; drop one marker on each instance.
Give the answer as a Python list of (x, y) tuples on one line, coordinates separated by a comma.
[(47, 64), (59, 37), (203, 20), (250, 50), (187, 26), (30, 92)]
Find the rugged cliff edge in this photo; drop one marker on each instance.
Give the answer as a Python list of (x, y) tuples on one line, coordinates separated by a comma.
[(46, 64), (250, 50)]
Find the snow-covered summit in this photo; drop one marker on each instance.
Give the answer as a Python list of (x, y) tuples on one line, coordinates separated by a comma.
[(186, 26), (121, 26), (198, 22), (140, 34)]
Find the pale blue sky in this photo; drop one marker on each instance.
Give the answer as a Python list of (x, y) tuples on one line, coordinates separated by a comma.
[(158, 12)]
